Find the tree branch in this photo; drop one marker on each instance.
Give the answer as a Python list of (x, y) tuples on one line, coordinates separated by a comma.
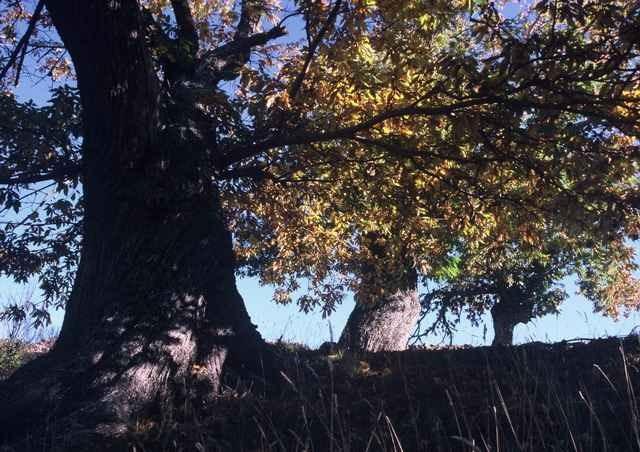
[(236, 54), (297, 83), (251, 172), (240, 153), (187, 33), (244, 44), (406, 152), (24, 41), (32, 178), (250, 13), (585, 107)]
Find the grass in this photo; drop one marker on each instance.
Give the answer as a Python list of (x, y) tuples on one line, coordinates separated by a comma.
[(553, 397), (558, 397)]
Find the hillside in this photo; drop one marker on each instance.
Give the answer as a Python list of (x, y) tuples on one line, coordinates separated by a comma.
[(533, 397), (558, 397)]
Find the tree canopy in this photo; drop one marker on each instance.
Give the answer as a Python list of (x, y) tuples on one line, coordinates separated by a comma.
[(509, 133), (425, 122)]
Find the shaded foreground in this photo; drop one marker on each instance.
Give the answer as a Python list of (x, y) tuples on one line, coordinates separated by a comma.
[(563, 397)]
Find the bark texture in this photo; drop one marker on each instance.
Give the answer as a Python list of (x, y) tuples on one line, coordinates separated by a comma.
[(154, 314), (387, 304), (385, 325)]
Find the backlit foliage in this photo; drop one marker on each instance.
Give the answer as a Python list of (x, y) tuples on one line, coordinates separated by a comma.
[(526, 282), (429, 123), (524, 141)]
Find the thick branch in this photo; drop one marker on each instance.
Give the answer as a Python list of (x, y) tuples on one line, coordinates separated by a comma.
[(235, 54), (584, 107), (156, 34), (250, 13), (395, 148), (238, 154), (251, 172), (187, 33), (244, 44), (31, 178)]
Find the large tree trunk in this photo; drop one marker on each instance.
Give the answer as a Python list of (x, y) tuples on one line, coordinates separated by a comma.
[(387, 305), (503, 329), (154, 311)]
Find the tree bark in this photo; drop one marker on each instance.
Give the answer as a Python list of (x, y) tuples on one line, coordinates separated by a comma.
[(503, 330), (382, 325), (154, 312), (387, 304)]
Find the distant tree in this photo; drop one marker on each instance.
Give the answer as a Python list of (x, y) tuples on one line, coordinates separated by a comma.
[(519, 287), (387, 302), (516, 292)]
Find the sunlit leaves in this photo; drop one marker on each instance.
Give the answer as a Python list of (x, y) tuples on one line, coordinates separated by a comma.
[(540, 151), (41, 57), (432, 125)]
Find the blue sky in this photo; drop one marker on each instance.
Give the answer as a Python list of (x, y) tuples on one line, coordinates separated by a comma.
[(576, 320), (276, 321)]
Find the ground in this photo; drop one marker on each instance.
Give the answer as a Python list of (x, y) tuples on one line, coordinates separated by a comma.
[(559, 397)]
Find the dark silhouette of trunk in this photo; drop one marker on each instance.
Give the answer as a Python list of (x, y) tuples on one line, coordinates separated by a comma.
[(387, 305), (506, 314), (154, 312), (503, 329)]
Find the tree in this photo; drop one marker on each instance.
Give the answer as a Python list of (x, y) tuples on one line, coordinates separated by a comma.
[(485, 175), (184, 113), (154, 291), (387, 303), (522, 284), (515, 291)]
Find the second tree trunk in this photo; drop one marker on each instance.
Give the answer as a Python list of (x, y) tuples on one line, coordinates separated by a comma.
[(387, 305), (382, 325)]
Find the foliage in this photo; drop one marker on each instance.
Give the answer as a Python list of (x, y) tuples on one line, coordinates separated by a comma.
[(20, 339), (523, 283), (10, 357), (426, 123), (508, 134), (528, 279), (40, 197), (608, 278)]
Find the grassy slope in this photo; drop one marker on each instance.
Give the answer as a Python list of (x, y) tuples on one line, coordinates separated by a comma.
[(560, 397)]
